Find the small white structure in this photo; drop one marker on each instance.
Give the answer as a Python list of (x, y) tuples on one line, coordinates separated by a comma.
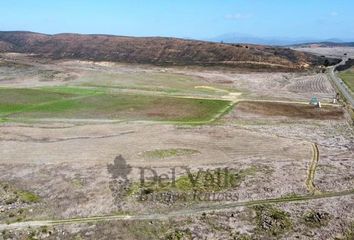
[(336, 98), (315, 102)]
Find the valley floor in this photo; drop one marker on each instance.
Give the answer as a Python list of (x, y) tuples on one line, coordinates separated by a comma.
[(77, 136)]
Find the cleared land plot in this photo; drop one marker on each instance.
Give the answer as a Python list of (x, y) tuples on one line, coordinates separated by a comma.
[(348, 78), (299, 111), (318, 83), (64, 164), (64, 103), (337, 52), (152, 81)]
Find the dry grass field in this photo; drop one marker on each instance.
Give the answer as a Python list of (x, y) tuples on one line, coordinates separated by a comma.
[(75, 137)]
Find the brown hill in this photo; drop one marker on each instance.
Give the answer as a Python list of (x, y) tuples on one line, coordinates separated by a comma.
[(154, 50)]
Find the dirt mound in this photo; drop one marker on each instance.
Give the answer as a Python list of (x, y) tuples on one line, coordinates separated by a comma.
[(155, 50), (270, 109)]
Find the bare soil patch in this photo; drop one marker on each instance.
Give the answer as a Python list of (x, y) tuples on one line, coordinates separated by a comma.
[(274, 109)]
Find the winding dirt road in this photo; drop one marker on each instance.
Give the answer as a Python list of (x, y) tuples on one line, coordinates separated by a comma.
[(340, 84)]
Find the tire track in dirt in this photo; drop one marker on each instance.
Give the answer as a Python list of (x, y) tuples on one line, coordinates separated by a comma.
[(179, 213), (310, 180), (47, 140)]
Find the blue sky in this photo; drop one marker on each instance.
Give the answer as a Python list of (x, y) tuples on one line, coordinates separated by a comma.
[(182, 18)]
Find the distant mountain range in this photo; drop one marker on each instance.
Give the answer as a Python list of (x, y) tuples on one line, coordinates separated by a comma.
[(276, 41)]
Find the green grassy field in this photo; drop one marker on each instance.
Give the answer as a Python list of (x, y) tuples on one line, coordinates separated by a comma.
[(14, 100), (348, 78), (167, 153), (70, 102)]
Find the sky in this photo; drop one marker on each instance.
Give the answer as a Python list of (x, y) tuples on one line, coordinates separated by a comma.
[(198, 19)]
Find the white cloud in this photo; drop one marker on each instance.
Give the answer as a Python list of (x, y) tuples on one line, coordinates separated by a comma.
[(237, 16)]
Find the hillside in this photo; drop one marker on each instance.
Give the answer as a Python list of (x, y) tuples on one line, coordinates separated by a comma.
[(154, 50)]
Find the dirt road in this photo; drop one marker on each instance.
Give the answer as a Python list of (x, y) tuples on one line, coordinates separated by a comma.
[(340, 84), (179, 213)]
